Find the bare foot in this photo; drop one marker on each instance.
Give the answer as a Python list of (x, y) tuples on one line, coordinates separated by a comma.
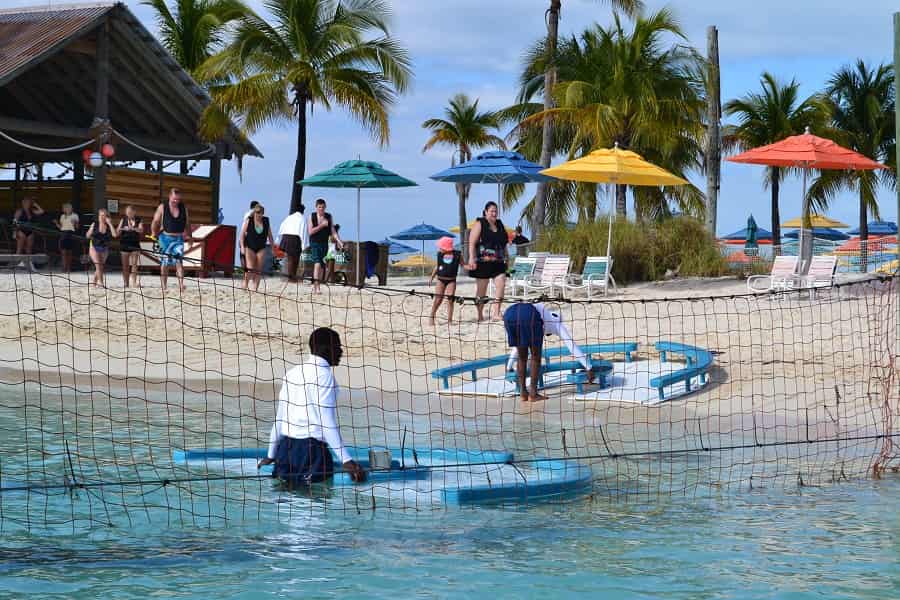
[(537, 398), (431, 321)]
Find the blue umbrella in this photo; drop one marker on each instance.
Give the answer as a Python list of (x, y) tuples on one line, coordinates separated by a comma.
[(741, 234), (497, 166), (422, 232), (823, 233), (878, 228), (396, 247)]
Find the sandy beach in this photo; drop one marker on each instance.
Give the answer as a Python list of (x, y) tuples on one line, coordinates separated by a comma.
[(779, 360)]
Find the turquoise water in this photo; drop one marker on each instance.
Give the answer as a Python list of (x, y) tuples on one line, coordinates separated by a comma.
[(244, 539), (832, 542)]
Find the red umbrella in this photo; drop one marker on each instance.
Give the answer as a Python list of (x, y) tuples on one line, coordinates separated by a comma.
[(807, 152)]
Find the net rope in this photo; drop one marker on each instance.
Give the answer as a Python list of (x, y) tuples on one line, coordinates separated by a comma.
[(101, 389)]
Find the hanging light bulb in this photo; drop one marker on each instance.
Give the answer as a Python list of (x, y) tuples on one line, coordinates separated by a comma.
[(96, 160)]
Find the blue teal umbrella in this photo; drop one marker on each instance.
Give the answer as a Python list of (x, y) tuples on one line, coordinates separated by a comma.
[(357, 174), (422, 232), (497, 166), (396, 247), (741, 234), (823, 233), (878, 228), (751, 242)]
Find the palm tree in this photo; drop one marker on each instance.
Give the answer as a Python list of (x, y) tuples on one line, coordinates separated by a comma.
[(325, 52), (862, 105), (768, 116), (464, 129), (630, 7), (628, 88), (195, 30)]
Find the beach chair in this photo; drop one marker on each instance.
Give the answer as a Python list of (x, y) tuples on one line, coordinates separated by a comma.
[(552, 277), (820, 274), (782, 276), (522, 270), (595, 274), (539, 258)]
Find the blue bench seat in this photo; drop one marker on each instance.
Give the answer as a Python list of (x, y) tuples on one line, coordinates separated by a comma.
[(578, 376), (698, 364)]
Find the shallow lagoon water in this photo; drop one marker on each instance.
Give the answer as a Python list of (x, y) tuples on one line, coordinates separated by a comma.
[(838, 541)]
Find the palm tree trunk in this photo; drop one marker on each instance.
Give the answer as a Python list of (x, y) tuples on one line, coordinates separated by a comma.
[(300, 163), (863, 231), (463, 221), (543, 190), (621, 206), (776, 216)]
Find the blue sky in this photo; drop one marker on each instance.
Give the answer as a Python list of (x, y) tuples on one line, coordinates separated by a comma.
[(475, 46)]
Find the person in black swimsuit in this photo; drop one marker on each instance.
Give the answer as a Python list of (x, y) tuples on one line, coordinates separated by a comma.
[(446, 270), (255, 233), (171, 226), (487, 257), (131, 229), (321, 228), (22, 219), (100, 233)]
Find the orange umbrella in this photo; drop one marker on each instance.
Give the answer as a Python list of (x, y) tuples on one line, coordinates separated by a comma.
[(874, 244), (738, 258), (807, 152)]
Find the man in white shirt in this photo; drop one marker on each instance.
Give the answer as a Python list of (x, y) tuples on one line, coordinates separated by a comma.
[(293, 237), (305, 431), (526, 325)]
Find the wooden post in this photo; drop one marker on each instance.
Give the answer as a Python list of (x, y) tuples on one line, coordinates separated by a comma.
[(713, 134), (77, 183), (16, 182), (215, 177), (897, 126), (183, 167), (101, 109), (162, 193)]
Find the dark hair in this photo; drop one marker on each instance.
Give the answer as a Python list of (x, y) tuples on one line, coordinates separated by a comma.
[(174, 191), (321, 201), (254, 204), (323, 340), (518, 229), (487, 206), (337, 227)]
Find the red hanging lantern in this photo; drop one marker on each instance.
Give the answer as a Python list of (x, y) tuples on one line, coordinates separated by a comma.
[(86, 154), (108, 150)]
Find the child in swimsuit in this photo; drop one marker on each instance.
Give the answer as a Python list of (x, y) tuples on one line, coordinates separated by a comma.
[(446, 271)]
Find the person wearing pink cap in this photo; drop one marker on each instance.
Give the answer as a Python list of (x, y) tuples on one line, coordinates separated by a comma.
[(446, 270)]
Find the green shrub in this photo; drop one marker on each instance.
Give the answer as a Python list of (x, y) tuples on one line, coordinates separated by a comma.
[(641, 251)]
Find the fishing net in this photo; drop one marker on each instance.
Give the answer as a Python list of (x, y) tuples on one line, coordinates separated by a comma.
[(121, 405)]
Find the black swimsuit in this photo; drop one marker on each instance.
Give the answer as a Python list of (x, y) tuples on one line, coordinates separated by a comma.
[(448, 265), (100, 239), (172, 224), (491, 251), (130, 239), (24, 217), (256, 240)]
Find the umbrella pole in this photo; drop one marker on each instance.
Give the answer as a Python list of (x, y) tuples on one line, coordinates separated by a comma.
[(609, 236), (358, 242), (804, 209), (423, 258)]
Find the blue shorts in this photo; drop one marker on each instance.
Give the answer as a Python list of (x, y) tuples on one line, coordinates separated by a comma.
[(524, 326), (171, 250), (317, 253), (303, 461)]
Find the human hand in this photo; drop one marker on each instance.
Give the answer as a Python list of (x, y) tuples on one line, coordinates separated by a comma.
[(356, 472), (471, 266), (264, 461)]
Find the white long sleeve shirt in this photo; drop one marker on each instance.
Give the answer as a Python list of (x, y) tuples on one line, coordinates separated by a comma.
[(307, 405), (295, 224), (553, 325)]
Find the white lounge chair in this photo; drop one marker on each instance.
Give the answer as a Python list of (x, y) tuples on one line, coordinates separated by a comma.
[(595, 275), (522, 270), (820, 274), (552, 277), (782, 276)]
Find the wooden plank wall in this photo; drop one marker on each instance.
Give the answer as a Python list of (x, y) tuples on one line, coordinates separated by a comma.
[(51, 195), (142, 190)]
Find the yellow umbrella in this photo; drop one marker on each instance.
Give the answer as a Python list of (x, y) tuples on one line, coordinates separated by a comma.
[(614, 166), (455, 228), (816, 220), (416, 260), (889, 268)]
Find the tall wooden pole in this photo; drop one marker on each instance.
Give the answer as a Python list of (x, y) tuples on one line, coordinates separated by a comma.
[(77, 182), (101, 109), (897, 130), (215, 176), (713, 132)]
